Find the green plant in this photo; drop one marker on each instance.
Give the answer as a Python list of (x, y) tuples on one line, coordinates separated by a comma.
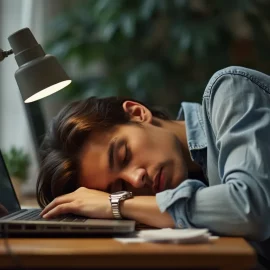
[(159, 51), (17, 162)]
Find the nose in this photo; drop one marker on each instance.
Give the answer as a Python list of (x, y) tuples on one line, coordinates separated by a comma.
[(137, 177)]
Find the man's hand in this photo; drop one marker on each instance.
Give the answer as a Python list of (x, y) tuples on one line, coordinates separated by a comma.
[(95, 204), (85, 202)]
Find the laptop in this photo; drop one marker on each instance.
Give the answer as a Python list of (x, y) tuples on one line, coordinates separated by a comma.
[(17, 221)]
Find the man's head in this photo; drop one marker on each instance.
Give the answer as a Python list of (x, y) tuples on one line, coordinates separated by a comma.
[(109, 144)]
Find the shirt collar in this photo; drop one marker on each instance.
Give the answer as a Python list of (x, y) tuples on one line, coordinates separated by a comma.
[(191, 113)]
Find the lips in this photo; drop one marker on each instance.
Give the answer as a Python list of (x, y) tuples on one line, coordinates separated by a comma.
[(158, 182)]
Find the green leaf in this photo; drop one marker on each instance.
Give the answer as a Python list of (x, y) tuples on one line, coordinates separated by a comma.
[(185, 41), (17, 162), (107, 31), (147, 8), (128, 22)]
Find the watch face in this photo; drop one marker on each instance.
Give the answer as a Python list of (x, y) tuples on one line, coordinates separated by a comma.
[(120, 192)]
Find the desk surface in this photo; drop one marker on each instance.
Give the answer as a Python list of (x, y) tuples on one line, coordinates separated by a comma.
[(224, 253)]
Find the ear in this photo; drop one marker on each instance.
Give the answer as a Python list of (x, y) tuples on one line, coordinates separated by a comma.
[(137, 111)]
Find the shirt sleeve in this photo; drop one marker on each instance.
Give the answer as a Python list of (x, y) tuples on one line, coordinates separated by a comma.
[(239, 113)]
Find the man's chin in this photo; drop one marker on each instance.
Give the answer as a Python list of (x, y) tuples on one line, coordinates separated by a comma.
[(179, 181)]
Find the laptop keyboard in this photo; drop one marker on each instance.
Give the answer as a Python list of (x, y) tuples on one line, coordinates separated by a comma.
[(16, 213), (34, 215)]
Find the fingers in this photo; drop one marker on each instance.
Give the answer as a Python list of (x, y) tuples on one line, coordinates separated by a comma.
[(65, 208), (57, 201)]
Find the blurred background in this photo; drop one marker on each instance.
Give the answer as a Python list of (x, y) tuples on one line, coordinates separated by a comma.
[(161, 52)]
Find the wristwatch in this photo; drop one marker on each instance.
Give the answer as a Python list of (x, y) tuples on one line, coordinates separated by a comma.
[(115, 199)]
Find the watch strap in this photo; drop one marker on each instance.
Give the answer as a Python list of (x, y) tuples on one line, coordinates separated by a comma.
[(115, 200)]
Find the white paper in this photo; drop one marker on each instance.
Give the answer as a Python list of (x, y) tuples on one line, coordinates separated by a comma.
[(183, 236)]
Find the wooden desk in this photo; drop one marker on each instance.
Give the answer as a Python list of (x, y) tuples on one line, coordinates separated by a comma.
[(225, 253)]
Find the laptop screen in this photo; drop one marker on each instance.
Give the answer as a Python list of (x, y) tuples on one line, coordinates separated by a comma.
[(8, 199)]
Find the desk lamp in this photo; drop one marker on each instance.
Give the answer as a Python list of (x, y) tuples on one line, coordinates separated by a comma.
[(39, 75)]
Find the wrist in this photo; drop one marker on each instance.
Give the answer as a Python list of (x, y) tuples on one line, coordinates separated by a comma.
[(125, 208), (144, 209), (116, 199)]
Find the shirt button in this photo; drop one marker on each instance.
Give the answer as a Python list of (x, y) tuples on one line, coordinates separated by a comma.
[(179, 226)]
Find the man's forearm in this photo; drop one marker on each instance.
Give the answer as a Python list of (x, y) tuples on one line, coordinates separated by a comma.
[(144, 209)]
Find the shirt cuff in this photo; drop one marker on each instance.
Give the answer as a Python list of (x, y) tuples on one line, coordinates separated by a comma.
[(175, 201)]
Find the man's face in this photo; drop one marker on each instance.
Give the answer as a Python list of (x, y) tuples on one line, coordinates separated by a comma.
[(145, 159)]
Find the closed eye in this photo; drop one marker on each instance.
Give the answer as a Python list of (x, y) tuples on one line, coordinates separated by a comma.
[(127, 156)]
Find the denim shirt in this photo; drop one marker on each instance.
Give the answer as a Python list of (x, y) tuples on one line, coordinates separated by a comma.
[(229, 137)]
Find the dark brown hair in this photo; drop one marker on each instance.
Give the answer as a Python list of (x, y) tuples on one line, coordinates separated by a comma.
[(66, 136)]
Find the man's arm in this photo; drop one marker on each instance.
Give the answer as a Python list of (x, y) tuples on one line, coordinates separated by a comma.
[(239, 113), (144, 209), (95, 204)]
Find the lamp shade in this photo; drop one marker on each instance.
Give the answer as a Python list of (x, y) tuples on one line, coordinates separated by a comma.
[(39, 75)]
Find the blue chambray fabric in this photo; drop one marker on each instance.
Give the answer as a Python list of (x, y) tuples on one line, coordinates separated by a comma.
[(229, 136)]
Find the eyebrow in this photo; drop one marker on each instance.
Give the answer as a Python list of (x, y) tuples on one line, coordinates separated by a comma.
[(111, 154)]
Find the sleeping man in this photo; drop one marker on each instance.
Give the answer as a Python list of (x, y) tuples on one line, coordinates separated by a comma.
[(209, 168)]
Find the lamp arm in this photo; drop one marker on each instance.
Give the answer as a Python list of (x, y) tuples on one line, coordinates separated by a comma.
[(4, 54)]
